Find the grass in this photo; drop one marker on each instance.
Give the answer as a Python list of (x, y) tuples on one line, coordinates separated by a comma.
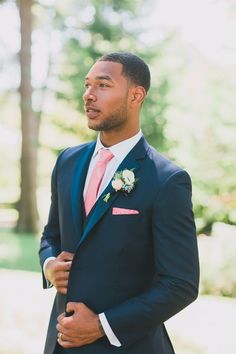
[(205, 327), (19, 251), (195, 330)]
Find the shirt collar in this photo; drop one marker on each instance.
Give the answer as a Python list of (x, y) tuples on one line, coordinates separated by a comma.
[(121, 149)]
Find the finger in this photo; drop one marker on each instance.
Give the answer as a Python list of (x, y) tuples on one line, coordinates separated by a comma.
[(62, 291), (61, 337), (65, 256), (61, 329), (61, 283), (61, 275), (69, 333), (76, 342), (61, 316), (62, 266), (67, 344), (66, 265), (68, 337), (66, 326)]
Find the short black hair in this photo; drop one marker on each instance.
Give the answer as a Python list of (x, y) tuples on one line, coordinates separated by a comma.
[(134, 68)]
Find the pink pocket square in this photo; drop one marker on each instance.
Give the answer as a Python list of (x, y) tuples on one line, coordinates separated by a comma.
[(123, 211)]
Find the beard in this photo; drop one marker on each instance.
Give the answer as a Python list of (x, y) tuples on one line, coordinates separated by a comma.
[(114, 121)]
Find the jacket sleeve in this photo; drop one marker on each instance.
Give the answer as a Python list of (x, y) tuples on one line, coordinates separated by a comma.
[(50, 241), (176, 265)]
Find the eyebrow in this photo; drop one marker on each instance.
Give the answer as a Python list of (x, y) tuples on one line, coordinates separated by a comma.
[(101, 77)]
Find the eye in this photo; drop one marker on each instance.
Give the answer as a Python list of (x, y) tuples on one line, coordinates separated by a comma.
[(103, 84), (86, 85)]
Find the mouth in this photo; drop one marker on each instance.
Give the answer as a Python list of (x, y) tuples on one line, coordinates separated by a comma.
[(92, 112)]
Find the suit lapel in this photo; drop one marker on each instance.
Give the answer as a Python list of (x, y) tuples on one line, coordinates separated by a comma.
[(101, 207), (78, 180)]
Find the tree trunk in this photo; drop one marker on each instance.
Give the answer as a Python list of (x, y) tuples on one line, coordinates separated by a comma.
[(28, 213)]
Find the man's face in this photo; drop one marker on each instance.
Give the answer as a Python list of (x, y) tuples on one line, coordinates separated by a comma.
[(106, 97)]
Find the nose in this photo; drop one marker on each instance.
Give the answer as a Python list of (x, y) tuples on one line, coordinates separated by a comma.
[(89, 95)]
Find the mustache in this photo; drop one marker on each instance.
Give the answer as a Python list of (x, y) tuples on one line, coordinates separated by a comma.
[(89, 107)]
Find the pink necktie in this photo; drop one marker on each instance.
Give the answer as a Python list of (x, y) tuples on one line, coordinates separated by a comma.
[(96, 178)]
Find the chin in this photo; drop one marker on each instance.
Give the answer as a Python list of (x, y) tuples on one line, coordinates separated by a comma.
[(93, 126)]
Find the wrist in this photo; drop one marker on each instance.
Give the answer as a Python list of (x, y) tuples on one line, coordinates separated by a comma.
[(100, 327), (48, 270), (45, 264)]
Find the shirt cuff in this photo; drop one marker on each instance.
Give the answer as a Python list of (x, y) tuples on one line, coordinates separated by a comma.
[(109, 332), (49, 285)]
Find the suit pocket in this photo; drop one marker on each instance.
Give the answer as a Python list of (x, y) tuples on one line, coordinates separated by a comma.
[(125, 218), (124, 211)]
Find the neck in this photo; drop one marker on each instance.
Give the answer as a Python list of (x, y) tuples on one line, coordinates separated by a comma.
[(112, 138)]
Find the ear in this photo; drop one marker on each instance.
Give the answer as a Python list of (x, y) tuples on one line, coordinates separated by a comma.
[(138, 95)]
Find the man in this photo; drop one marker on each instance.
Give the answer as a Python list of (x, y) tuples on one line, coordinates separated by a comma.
[(120, 244)]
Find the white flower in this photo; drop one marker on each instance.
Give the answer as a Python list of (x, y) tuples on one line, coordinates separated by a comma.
[(129, 177), (123, 181), (117, 184)]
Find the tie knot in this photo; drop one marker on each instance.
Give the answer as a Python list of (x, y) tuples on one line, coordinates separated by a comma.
[(105, 155)]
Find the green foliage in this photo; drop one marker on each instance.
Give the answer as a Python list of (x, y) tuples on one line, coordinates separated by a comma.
[(217, 256), (92, 31), (204, 127), (153, 115), (18, 252), (99, 28), (215, 151), (188, 114)]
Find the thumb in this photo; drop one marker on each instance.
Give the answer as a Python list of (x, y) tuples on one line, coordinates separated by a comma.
[(71, 307), (65, 256)]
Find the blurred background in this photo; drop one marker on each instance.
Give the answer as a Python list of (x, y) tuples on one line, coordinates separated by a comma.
[(46, 48)]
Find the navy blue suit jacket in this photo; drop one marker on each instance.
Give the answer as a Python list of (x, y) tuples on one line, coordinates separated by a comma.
[(138, 269)]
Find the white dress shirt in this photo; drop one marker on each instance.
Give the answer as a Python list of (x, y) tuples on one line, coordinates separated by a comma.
[(119, 151)]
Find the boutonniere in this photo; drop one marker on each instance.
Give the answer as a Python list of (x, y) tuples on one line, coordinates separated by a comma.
[(123, 181)]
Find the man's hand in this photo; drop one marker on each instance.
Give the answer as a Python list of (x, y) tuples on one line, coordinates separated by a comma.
[(57, 271), (83, 327)]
